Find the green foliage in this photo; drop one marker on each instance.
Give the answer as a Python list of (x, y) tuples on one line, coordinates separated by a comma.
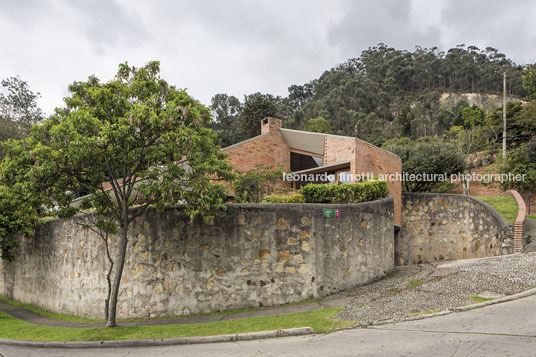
[(389, 93), (295, 198), (472, 116), (256, 107), (226, 116), (529, 81), (346, 192), (430, 156), (138, 134), (20, 103), (18, 109), (318, 125), (253, 185), (21, 198), (520, 161)]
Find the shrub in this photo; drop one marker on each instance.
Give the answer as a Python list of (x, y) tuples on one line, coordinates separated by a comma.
[(253, 185), (296, 198), (346, 192)]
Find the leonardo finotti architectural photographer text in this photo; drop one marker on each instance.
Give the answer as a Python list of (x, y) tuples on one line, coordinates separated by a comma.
[(424, 177)]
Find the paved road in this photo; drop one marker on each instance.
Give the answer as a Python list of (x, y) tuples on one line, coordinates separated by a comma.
[(507, 329)]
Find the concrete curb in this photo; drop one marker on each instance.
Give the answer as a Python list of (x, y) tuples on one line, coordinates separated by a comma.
[(299, 331), (497, 301), (448, 312)]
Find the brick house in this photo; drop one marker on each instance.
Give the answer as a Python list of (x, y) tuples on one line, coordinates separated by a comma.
[(303, 152)]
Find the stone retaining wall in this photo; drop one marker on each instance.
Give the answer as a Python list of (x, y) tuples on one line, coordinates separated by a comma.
[(437, 227), (253, 255)]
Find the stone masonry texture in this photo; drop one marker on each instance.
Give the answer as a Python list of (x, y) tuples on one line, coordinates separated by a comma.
[(438, 227), (253, 255)]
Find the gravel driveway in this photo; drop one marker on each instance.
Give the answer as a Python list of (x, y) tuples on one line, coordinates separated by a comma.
[(420, 289)]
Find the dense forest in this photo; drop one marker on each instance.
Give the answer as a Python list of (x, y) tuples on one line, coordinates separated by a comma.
[(387, 93)]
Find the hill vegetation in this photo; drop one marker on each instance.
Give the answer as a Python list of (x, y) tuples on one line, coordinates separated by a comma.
[(407, 102), (386, 93)]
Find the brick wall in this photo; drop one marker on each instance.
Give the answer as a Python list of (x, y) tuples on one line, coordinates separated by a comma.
[(520, 221), (268, 149), (338, 149), (369, 158)]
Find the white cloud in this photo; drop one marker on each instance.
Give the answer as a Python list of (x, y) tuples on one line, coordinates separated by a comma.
[(237, 46)]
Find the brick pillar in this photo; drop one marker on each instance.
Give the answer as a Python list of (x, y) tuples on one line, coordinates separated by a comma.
[(520, 221)]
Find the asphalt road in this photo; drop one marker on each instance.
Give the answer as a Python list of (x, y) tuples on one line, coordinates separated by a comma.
[(507, 329)]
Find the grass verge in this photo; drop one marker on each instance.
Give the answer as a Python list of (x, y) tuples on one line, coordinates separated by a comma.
[(319, 320), (425, 312), (73, 318), (531, 216), (476, 299), (50, 314), (505, 205)]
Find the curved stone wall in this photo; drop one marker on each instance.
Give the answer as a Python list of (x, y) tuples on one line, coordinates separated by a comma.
[(253, 255), (437, 227)]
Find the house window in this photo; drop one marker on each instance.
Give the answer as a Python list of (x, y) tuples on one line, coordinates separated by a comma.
[(299, 162)]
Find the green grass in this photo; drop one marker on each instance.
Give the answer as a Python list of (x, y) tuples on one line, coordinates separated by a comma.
[(414, 283), (73, 318), (476, 299), (46, 313), (320, 320), (531, 216), (392, 292), (505, 205), (425, 312)]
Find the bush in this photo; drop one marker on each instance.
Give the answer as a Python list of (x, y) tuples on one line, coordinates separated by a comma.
[(346, 192), (296, 198), (252, 186)]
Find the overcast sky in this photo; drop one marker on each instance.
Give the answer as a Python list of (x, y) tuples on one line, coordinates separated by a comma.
[(237, 46)]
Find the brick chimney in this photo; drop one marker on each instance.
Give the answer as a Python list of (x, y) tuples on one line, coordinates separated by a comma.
[(270, 125)]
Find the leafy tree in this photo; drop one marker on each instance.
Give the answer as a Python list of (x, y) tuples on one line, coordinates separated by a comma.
[(18, 109), (521, 161), (318, 125), (256, 107), (20, 198), (20, 103), (226, 113), (529, 81), (138, 135), (472, 116), (425, 156)]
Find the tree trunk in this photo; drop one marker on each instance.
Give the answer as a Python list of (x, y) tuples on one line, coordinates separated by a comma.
[(117, 278), (466, 184), (108, 280)]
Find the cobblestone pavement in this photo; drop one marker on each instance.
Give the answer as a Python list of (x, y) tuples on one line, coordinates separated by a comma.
[(420, 289)]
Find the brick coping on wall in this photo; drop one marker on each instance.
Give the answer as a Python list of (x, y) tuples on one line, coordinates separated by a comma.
[(520, 221)]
